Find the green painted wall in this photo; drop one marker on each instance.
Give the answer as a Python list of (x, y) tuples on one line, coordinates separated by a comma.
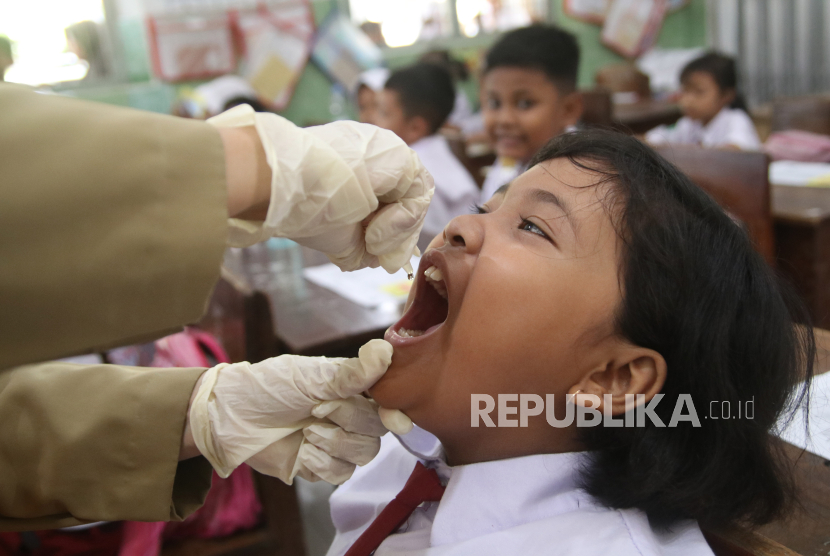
[(312, 95)]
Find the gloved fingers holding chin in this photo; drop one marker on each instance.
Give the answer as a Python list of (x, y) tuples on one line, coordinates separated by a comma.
[(356, 414), (349, 377), (330, 469), (354, 448)]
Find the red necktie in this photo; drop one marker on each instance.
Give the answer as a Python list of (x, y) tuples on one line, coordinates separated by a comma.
[(422, 486)]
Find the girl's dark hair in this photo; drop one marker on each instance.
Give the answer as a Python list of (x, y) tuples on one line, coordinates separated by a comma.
[(694, 290), (722, 69)]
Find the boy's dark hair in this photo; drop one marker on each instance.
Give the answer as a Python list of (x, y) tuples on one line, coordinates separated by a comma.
[(722, 69), (695, 291), (541, 47), (458, 69), (424, 90), (254, 103)]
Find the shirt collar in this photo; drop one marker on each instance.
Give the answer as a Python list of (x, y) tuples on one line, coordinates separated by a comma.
[(519, 490)]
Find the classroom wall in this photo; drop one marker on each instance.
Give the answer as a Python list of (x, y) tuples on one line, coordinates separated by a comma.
[(313, 94), (685, 28)]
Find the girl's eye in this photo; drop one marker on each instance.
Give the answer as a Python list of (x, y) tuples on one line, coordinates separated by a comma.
[(525, 104), (493, 104), (478, 209), (529, 226)]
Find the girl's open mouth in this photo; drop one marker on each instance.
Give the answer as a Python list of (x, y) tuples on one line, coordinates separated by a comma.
[(430, 307)]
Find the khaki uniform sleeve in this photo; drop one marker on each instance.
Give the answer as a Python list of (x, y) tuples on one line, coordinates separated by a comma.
[(113, 223), (90, 443)]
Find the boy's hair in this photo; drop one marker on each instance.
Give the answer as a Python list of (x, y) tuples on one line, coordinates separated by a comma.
[(254, 103), (457, 68), (549, 49), (695, 291), (424, 90), (722, 69)]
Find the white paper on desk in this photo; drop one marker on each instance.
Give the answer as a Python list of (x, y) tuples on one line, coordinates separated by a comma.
[(790, 172), (796, 433), (369, 287)]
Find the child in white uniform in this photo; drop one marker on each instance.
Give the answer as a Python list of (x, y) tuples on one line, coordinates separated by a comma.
[(528, 96), (415, 103), (714, 114), (601, 277)]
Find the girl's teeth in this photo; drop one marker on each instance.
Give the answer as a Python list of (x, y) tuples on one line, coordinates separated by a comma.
[(404, 333), (434, 273)]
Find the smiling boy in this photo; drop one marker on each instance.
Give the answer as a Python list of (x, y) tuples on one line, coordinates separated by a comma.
[(528, 96)]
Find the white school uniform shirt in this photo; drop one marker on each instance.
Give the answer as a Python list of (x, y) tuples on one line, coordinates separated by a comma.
[(503, 171), (455, 190), (500, 173), (529, 505), (730, 126)]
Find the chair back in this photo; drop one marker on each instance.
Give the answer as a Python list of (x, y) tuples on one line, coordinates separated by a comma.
[(807, 113), (624, 77), (597, 108), (738, 181)]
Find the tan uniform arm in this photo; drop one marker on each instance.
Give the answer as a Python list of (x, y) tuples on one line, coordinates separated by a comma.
[(94, 443), (113, 224)]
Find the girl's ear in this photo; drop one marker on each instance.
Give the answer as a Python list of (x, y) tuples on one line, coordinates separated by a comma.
[(633, 371)]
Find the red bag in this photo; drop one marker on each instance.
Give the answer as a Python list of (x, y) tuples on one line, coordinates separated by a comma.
[(802, 146)]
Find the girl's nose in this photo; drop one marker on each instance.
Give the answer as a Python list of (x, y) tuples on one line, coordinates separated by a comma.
[(465, 232)]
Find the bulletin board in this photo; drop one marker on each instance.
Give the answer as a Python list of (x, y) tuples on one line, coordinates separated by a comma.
[(187, 47), (631, 26), (275, 42), (268, 44), (595, 11), (343, 51), (592, 11)]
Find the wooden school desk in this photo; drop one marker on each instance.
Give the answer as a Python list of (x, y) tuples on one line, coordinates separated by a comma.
[(802, 240), (642, 116)]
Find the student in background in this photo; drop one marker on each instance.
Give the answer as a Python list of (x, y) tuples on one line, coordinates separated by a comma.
[(528, 96), (462, 115), (415, 103), (714, 112), (369, 86)]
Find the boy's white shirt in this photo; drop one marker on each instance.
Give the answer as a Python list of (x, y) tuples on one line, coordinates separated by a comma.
[(504, 171), (528, 505), (730, 126), (455, 189), (499, 174)]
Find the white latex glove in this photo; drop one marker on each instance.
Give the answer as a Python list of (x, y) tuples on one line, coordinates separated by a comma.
[(291, 415), (327, 179)]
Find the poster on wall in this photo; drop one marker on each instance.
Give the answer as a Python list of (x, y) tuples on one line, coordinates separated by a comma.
[(275, 40), (595, 11), (191, 47), (675, 5), (631, 26), (592, 11), (343, 51)]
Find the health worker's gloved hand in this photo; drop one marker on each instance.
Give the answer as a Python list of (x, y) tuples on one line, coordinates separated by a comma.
[(291, 415), (327, 180)]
